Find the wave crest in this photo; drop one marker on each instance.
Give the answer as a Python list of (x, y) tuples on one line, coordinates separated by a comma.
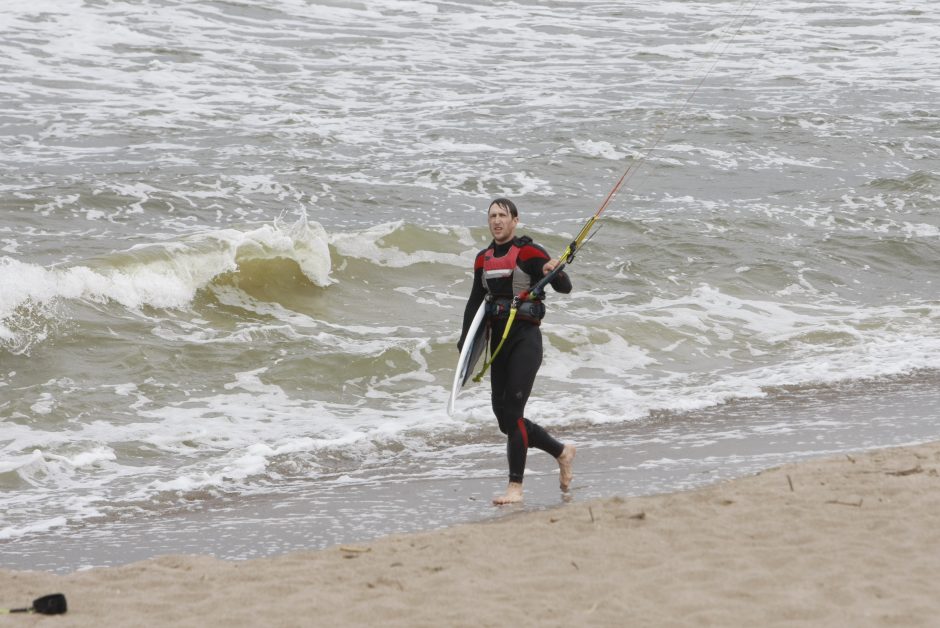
[(165, 275)]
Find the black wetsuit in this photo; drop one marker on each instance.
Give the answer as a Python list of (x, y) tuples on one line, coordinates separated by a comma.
[(513, 371)]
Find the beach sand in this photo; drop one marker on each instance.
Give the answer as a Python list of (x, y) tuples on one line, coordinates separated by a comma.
[(846, 541)]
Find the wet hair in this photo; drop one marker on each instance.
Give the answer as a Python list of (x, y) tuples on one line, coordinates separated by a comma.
[(506, 204)]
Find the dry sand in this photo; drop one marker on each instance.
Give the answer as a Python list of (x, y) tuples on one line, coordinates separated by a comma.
[(851, 541)]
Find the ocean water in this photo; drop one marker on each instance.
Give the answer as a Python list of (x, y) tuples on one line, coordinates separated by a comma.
[(236, 237)]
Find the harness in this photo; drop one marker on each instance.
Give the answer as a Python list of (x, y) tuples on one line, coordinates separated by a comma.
[(499, 307)]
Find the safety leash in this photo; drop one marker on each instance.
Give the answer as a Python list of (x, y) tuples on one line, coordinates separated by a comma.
[(537, 291)]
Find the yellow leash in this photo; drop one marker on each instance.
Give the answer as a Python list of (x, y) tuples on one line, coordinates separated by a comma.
[(486, 365)]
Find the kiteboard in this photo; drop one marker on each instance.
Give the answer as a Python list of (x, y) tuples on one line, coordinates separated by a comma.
[(473, 347)]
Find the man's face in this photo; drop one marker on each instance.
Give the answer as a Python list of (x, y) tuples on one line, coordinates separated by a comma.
[(502, 224)]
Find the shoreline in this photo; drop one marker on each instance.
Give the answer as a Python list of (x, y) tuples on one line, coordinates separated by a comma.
[(848, 540), (665, 454)]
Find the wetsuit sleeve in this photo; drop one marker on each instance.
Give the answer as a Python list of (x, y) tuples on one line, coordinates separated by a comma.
[(562, 283), (477, 294), (532, 259)]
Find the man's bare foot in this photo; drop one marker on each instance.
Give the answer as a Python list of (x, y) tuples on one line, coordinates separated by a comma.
[(512, 495), (566, 466)]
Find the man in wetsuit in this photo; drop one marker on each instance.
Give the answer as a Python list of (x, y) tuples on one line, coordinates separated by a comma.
[(507, 267)]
